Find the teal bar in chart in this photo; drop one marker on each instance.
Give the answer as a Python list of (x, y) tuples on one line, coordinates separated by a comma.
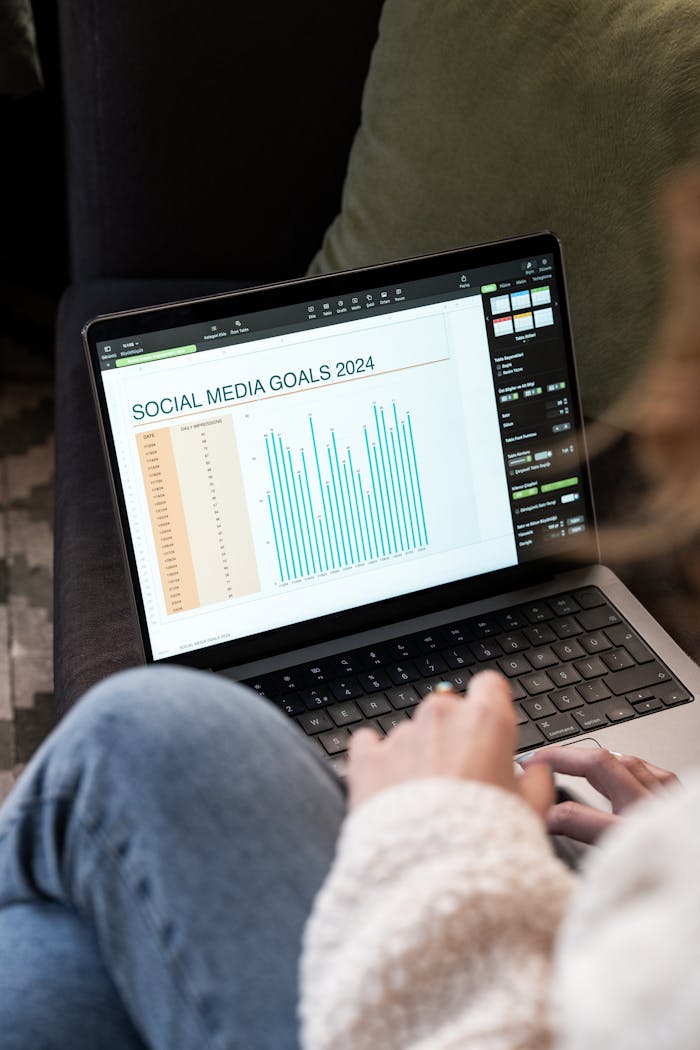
[(334, 506)]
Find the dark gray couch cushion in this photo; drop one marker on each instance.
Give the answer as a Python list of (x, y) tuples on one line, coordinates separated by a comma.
[(95, 627), (210, 138)]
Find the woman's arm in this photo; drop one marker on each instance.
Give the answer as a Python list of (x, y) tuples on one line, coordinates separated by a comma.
[(435, 926)]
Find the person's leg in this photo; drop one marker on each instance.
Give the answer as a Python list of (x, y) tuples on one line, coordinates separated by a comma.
[(54, 989), (188, 825)]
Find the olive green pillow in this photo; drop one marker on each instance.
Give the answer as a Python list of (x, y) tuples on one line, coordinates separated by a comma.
[(488, 119), (20, 72)]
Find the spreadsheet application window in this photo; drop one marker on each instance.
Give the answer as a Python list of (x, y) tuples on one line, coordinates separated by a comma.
[(278, 480)]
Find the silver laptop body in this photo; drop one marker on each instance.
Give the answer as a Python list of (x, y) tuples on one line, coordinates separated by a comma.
[(328, 466)]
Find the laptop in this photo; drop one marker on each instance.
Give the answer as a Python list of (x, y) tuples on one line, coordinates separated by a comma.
[(343, 490)]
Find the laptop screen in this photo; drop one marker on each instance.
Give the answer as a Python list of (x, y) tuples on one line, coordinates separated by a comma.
[(286, 464)]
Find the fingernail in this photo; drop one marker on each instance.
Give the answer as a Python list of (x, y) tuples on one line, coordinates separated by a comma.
[(444, 687)]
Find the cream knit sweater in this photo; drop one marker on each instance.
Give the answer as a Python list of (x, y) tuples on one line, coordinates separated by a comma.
[(439, 927)]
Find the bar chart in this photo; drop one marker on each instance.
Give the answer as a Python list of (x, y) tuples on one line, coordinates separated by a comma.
[(332, 506)]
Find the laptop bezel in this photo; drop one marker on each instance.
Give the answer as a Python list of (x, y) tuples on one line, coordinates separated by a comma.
[(125, 323)]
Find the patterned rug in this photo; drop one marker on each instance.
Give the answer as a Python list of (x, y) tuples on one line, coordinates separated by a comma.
[(26, 553)]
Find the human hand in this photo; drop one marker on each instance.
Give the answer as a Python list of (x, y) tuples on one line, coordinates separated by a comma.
[(622, 779), (468, 738)]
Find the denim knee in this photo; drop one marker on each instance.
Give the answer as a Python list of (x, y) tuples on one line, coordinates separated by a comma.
[(148, 725), (157, 713)]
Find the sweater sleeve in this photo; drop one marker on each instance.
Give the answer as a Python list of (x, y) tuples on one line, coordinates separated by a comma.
[(434, 928)]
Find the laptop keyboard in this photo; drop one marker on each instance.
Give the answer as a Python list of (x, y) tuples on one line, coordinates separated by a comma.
[(573, 663)]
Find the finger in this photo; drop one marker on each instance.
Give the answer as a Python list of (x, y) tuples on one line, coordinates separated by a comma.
[(536, 787), (437, 705), (489, 719), (579, 822), (600, 767), (364, 744), (492, 690), (364, 769), (639, 769), (664, 776)]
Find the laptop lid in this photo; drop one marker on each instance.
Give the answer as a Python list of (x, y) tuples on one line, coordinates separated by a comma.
[(296, 462)]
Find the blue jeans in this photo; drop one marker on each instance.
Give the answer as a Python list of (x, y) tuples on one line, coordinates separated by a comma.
[(158, 860)]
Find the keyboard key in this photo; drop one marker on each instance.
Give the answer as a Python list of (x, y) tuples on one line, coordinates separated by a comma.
[(428, 641), (566, 627), (540, 634), (564, 675), (344, 665), (403, 648), (512, 620), (339, 764), (316, 674), (289, 681), (489, 650), (520, 716), (566, 699), (491, 665), (512, 665), (460, 680), (594, 619), (622, 635), (537, 612), (377, 656), (591, 668), (589, 597), (314, 722), (529, 736), (426, 687), (346, 689), (430, 665), (335, 741), (537, 683), (405, 672), (637, 677), (320, 696), (484, 626), (516, 689), (458, 633), (593, 691), (543, 657), (389, 722), (645, 707), (405, 696), (461, 656), (558, 726), (672, 694), (345, 714), (266, 685), (372, 681), (595, 643), (637, 696), (590, 717), (618, 710), (512, 643), (618, 659), (570, 650), (564, 604), (539, 707), (374, 706), (292, 703)]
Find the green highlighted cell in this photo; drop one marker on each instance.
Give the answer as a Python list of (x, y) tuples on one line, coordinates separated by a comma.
[(525, 492), (552, 486), (486, 288), (157, 355)]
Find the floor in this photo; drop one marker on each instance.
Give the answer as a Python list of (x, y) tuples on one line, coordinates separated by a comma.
[(26, 553)]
